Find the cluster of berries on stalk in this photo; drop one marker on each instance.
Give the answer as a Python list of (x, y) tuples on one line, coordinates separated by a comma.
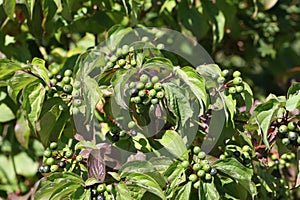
[(283, 161), (234, 85), (102, 192), (243, 154), (199, 169), (288, 132)]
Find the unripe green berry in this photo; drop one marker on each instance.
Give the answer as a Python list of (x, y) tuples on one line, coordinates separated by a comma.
[(55, 71), (149, 85), (76, 94), (137, 99), (152, 93), (133, 63), (121, 62), (144, 78), (196, 185), (69, 153), (231, 90), (66, 80), (79, 158), (285, 141), (132, 85), (206, 168), (239, 88), (109, 188), (237, 80), (77, 102), (292, 126), (53, 168), (221, 80), (202, 155), (201, 173), (142, 93), (47, 153), (225, 73), (131, 124), (283, 129), (50, 161), (236, 74), (208, 177), (53, 145), (298, 139), (157, 86), (154, 101), (185, 164), (160, 46), (68, 89), (193, 177), (77, 85), (222, 156), (68, 73), (122, 133), (274, 157), (53, 81), (101, 188), (140, 85), (293, 135), (160, 95), (196, 149), (154, 79), (196, 167)]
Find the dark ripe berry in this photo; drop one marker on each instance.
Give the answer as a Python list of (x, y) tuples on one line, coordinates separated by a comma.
[(231, 90), (213, 171), (77, 85), (283, 129), (101, 188), (144, 78), (134, 91), (225, 73), (131, 124), (193, 177), (132, 85), (77, 102), (201, 173), (79, 158), (53, 145), (76, 94), (66, 80), (208, 177), (276, 162), (137, 99), (47, 153), (237, 153), (202, 155), (62, 164), (160, 95), (196, 149), (50, 161), (68, 89), (154, 101), (293, 135), (292, 126), (142, 93), (133, 133), (100, 197), (236, 74), (185, 164), (149, 85), (221, 80), (122, 62), (46, 168), (69, 153), (239, 88), (157, 86), (59, 77), (115, 138), (154, 79), (196, 167), (140, 85), (237, 80), (68, 73), (41, 169), (206, 167), (285, 141)]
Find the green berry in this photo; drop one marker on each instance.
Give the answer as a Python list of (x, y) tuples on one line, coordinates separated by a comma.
[(157, 86), (47, 153), (298, 140), (79, 158), (50, 161), (114, 58), (225, 73), (77, 102), (68, 89), (237, 80), (292, 126), (285, 141), (196, 149), (54, 71), (154, 101), (137, 99), (77, 85), (53, 168), (101, 188), (160, 46), (125, 49), (149, 85), (236, 74), (160, 95), (274, 157), (283, 129), (152, 93), (293, 135), (142, 93), (222, 156), (53, 81), (185, 164), (221, 80), (122, 133), (208, 177), (239, 88), (201, 173), (68, 73), (193, 177), (154, 79), (131, 124), (140, 85), (132, 85), (121, 62), (66, 80), (196, 167), (246, 148), (196, 185), (231, 90), (76, 94), (53, 145), (69, 153), (202, 155), (144, 78), (206, 168)]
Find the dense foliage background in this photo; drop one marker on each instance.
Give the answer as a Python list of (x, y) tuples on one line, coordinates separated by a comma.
[(260, 38)]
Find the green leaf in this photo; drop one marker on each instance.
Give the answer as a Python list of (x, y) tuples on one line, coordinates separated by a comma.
[(8, 67), (123, 192), (175, 176), (146, 182), (9, 8), (208, 191), (196, 84), (22, 131), (184, 192), (39, 69), (264, 114), (33, 99), (230, 104), (161, 164), (139, 166), (6, 114), (238, 172), (174, 144), (178, 103), (293, 100), (25, 166), (247, 96)]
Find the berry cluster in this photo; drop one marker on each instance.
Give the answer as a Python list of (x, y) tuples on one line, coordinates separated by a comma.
[(123, 57), (284, 161), (288, 132), (146, 91), (60, 82), (59, 160), (102, 192), (76, 95), (243, 155), (199, 167), (234, 85)]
